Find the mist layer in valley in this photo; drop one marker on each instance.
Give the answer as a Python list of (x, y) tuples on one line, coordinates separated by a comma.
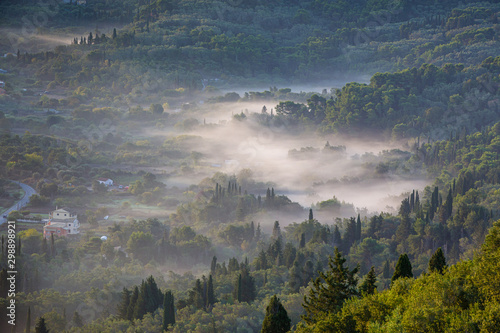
[(372, 176)]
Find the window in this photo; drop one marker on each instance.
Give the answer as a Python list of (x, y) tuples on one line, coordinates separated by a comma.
[(69, 225), (58, 231)]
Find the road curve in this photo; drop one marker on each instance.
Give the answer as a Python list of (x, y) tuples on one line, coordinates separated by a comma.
[(28, 192)]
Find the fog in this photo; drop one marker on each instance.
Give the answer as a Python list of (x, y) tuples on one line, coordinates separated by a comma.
[(230, 146), (31, 40)]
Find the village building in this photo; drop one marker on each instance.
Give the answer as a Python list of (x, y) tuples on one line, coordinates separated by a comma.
[(61, 223), (105, 181)]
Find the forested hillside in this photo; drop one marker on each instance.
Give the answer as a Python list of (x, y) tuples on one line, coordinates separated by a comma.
[(371, 204)]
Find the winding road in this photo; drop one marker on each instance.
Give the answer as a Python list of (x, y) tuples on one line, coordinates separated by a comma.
[(28, 192)]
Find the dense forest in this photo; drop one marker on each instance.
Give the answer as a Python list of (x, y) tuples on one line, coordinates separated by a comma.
[(371, 204)]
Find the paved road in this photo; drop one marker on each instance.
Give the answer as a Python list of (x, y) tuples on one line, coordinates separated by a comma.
[(28, 192)]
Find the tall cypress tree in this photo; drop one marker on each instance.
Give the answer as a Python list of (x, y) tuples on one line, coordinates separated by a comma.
[(403, 268), (28, 321), (210, 293), (124, 303), (437, 263), (140, 305), (311, 217), (133, 301), (358, 228), (168, 310), (276, 319)]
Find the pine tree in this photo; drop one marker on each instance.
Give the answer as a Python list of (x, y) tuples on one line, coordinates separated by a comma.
[(369, 284), (330, 289), (168, 310), (40, 326), (276, 319), (114, 33), (28, 321), (437, 263), (311, 215), (403, 268)]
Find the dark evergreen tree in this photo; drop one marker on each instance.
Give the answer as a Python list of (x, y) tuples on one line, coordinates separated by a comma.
[(295, 281), (210, 293), (140, 305), (404, 229), (337, 237), (40, 326), (311, 215), (330, 289), (168, 310), (437, 263), (4, 283), (28, 321), (386, 270), (213, 265), (368, 286), (133, 301), (77, 320), (307, 272), (245, 287), (358, 228), (114, 33), (302, 243), (403, 268), (124, 303), (276, 319), (276, 230)]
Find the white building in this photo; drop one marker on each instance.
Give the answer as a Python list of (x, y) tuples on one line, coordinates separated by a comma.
[(61, 223), (105, 181)]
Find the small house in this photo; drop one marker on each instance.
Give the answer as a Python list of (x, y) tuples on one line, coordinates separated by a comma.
[(62, 222), (105, 181)]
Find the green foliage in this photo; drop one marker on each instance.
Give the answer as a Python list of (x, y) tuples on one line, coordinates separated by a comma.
[(276, 320)]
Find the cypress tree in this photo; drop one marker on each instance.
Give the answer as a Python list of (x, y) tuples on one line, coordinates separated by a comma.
[(276, 319), (133, 301), (140, 305), (168, 310), (52, 246), (311, 215), (437, 263), (114, 33), (210, 293), (386, 270), (77, 320), (28, 321), (213, 265), (238, 291), (358, 229), (40, 326), (403, 268), (124, 303), (369, 284), (4, 284), (302, 243)]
